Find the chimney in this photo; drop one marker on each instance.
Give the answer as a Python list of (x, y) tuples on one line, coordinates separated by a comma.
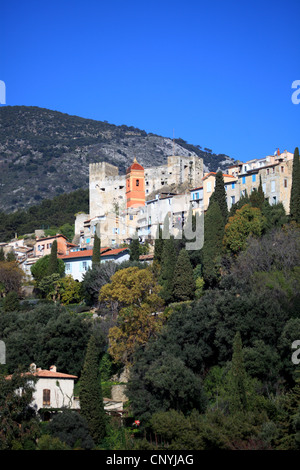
[(52, 368)]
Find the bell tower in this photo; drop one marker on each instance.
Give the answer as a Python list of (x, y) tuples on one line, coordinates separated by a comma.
[(135, 185)]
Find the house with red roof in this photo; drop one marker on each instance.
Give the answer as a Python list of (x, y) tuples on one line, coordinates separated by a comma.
[(78, 262)]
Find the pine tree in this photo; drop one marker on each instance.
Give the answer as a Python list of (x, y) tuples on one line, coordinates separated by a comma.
[(53, 261), (219, 195), (90, 394), (168, 263), (135, 249), (213, 243), (238, 377), (295, 190), (96, 250), (183, 282)]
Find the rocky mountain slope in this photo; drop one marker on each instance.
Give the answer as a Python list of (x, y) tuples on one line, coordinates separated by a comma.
[(45, 153)]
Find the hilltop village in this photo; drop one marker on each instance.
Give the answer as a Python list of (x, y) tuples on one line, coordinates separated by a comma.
[(121, 333), (136, 205)]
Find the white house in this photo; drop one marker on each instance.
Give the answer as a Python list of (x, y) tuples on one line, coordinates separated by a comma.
[(78, 262), (53, 389)]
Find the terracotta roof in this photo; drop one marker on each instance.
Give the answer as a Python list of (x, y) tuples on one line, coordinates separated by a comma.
[(115, 251), (89, 253), (135, 166), (48, 374)]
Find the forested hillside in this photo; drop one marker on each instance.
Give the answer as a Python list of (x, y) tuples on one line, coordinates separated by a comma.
[(50, 213)]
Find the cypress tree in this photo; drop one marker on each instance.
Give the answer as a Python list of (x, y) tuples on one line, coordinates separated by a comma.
[(183, 281), (135, 249), (295, 190), (158, 245), (257, 198), (96, 250), (168, 264), (53, 261), (219, 196), (213, 243), (90, 394)]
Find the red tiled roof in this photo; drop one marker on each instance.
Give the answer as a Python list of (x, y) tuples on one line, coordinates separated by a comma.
[(135, 166), (115, 251), (89, 253), (48, 374)]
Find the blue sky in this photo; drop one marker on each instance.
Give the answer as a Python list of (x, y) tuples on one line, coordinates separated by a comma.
[(216, 73)]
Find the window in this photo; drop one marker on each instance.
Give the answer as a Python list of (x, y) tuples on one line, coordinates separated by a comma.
[(197, 195), (88, 240), (268, 171), (46, 397), (232, 200), (272, 186), (232, 185), (137, 182), (285, 183), (253, 178), (68, 267), (131, 217), (83, 266), (208, 187), (244, 180), (282, 169)]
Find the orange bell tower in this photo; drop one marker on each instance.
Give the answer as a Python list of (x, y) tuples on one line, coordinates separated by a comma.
[(135, 185)]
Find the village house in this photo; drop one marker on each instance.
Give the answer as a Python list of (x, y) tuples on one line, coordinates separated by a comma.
[(43, 245), (78, 262), (55, 390)]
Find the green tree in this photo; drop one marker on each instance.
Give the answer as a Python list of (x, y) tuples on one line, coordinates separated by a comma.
[(53, 260), (41, 268), (96, 250), (10, 257), (2, 256), (257, 197), (11, 302), (295, 190), (158, 246), (134, 249), (71, 428), (168, 263), (19, 426), (219, 195), (183, 281), (237, 377), (246, 221), (212, 248), (90, 394)]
